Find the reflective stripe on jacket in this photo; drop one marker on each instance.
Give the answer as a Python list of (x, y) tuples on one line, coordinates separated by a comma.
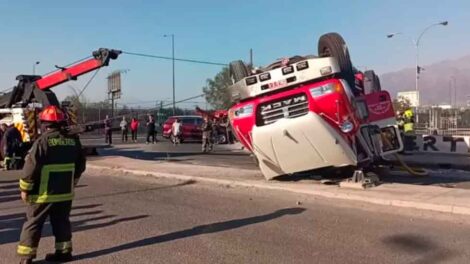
[(408, 127), (54, 162)]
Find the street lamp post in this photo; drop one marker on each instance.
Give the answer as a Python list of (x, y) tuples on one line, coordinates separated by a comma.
[(173, 65), (416, 45), (34, 67)]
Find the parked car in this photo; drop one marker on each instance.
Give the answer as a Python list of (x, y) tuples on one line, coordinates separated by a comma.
[(191, 128)]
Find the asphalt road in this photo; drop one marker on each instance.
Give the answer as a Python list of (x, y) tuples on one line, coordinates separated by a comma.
[(188, 153), (130, 219)]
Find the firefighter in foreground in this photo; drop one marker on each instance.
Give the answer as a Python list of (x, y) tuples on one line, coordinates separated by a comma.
[(52, 169)]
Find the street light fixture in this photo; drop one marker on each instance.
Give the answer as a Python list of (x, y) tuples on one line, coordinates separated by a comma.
[(173, 64), (416, 45), (34, 67)]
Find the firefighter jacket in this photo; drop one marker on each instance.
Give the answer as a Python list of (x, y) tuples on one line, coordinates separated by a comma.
[(206, 126), (54, 163), (12, 141), (408, 117)]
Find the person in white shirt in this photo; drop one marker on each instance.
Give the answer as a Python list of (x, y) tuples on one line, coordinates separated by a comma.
[(124, 129), (176, 131)]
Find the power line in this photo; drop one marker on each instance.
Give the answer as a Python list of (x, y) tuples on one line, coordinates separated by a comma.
[(176, 59)]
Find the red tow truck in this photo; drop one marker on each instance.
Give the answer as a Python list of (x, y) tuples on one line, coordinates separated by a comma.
[(21, 106), (310, 112)]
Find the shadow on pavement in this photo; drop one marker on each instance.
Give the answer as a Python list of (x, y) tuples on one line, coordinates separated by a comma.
[(195, 231), (8, 193), (10, 186), (188, 182), (444, 178), (16, 197), (11, 224), (9, 181), (418, 245)]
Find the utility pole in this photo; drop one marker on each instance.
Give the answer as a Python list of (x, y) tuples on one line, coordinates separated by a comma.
[(114, 88), (173, 65), (112, 106), (34, 67), (251, 58), (455, 90), (418, 68)]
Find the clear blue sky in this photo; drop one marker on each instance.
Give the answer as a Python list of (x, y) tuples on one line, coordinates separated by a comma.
[(59, 32)]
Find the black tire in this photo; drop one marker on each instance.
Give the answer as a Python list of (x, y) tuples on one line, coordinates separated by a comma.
[(333, 45), (371, 82), (238, 70)]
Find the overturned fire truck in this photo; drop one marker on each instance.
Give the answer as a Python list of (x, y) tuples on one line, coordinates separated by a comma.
[(21, 106), (310, 112)]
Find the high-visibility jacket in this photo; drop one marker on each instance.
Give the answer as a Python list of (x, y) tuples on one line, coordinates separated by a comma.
[(408, 126), (408, 114), (54, 162)]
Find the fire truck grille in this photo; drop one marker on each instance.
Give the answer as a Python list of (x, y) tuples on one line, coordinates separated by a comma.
[(289, 107)]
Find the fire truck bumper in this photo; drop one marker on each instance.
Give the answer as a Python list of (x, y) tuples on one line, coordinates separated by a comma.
[(300, 144)]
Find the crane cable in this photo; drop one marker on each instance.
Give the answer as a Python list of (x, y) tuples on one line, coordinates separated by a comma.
[(171, 58)]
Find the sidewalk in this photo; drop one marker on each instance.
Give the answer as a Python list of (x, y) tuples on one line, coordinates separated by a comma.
[(447, 200), (438, 160)]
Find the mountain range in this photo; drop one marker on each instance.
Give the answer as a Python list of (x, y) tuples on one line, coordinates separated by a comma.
[(440, 83)]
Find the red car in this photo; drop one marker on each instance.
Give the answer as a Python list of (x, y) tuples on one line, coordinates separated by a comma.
[(191, 127)]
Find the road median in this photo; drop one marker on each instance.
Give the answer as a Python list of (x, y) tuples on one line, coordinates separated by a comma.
[(432, 198)]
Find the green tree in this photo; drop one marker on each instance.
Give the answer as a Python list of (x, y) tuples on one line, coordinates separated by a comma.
[(216, 90), (401, 104)]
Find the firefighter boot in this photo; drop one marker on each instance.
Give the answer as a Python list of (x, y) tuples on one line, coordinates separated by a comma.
[(26, 261), (59, 257)]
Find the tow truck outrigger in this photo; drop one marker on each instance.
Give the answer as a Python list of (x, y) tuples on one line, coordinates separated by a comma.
[(21, 106), (310, 112)]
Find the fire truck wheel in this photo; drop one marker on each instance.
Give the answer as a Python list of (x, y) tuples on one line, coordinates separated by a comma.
[(333, 45), (238, 70), (371, 82)]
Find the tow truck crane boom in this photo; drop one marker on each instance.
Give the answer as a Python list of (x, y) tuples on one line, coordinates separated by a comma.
[(34, 88)]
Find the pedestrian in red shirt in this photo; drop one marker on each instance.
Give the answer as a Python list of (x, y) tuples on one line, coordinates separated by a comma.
[(134, 127)]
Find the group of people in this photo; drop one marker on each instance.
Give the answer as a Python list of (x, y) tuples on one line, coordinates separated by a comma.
[(133, 126), (209, 130)]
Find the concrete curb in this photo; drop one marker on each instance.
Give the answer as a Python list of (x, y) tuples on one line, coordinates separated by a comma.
[(333, 193)]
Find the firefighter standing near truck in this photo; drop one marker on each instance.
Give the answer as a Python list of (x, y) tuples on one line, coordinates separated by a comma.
[(52, 169), (408, 124), (11, 147), (206, 134)]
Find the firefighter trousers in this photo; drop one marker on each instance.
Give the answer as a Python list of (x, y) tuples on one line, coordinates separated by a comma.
[(206, 141), (36, 215)]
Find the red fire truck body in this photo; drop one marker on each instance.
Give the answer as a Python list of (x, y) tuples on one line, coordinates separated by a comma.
[(306, 113)]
